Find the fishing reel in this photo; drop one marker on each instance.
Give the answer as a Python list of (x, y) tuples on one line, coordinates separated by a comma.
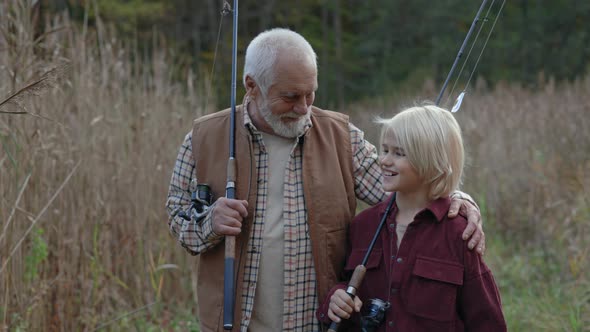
[(374, 315), (201, 199)]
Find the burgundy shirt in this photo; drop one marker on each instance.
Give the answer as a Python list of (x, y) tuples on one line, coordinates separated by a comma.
[(433, 282)]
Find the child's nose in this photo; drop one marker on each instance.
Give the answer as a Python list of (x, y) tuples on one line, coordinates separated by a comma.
[(386, 160)]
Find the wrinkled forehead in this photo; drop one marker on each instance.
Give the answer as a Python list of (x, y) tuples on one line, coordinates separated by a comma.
[(295, 74)]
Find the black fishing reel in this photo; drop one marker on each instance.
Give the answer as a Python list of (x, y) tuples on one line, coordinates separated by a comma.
[(373, 315), (201, 199)]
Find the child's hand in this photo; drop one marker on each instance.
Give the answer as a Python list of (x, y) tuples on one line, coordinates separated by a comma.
[(342, 305)]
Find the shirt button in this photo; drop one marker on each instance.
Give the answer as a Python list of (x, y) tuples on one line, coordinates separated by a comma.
[(393, 290), (390, 323), (392, 256), (258, 215), (392, 226), (400, 260)]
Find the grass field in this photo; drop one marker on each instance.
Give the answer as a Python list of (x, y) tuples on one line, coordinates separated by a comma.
[(84, 170)]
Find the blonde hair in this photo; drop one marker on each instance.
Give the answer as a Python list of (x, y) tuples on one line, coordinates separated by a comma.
[(431, 139)]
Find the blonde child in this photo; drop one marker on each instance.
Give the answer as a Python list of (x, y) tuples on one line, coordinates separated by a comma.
[(420, 267)]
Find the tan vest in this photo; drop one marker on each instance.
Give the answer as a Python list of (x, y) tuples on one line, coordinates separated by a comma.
[(330, 200)]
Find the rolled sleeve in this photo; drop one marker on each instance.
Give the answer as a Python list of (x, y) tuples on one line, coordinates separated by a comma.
[(367, 173), (464, 196), (322, 311), (193, 236)]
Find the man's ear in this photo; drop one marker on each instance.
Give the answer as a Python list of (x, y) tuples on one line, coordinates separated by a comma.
[(251, 86)]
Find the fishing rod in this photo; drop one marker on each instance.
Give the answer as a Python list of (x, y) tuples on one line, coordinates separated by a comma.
[(460, 53), (230, 189), (476, 20), (359, 272)]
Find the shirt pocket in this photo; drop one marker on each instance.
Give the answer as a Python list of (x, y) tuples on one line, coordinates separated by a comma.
[(357, 255), (372, 281), (433, 287)]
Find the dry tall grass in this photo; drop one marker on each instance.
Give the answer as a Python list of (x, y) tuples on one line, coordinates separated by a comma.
[(99, 250), (83, 238)]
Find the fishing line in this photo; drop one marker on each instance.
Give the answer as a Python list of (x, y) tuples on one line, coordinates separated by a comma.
[(459, 99), (226, 9), (484, 21)]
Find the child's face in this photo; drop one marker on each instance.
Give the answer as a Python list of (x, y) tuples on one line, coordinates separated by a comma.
[(398, 173)]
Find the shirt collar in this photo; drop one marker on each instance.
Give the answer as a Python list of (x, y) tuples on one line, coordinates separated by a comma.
[(438, 208), (247, 119)]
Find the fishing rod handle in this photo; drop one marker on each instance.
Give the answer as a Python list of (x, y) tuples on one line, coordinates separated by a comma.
[(228, 283), (357, 278), (231, 170), (355, 281), (229, 289)]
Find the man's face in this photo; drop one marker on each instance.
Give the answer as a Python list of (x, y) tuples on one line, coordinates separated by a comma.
[(287, 105)]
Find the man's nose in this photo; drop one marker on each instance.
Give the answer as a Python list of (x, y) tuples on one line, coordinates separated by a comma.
[(300, 106)]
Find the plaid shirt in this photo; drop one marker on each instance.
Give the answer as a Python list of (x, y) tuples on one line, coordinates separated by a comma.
[(300, 297)]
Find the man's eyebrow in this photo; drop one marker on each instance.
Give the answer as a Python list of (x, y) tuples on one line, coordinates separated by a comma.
[(290, 93)]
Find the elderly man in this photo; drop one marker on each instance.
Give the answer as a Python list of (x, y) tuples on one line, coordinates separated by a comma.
[(300, 170)]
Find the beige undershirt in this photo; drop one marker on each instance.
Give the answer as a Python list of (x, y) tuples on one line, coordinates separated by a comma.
[(400, 230), (267, 314)]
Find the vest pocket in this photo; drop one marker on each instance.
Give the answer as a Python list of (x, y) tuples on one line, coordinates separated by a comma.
[(211, 319), (329, 257), (432, 288)]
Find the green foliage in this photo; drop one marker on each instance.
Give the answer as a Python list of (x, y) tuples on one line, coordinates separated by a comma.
[(19, 324), (38, 253), (537, 294), (367, 48), (135, 16)]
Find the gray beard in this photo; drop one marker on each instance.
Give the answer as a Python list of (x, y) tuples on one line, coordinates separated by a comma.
[(280, 128)]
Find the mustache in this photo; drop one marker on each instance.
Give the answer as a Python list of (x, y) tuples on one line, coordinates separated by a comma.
[(292, 115)]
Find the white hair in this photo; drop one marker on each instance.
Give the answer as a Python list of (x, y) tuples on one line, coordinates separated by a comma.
[(263, 51)]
